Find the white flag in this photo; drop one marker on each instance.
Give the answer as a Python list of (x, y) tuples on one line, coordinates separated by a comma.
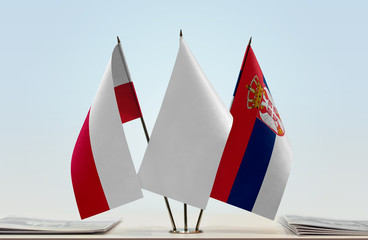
[(188, 138)]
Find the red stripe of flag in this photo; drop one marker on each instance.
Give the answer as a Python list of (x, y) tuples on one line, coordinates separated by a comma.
[(88, 190), (243, 122), (128, 104)]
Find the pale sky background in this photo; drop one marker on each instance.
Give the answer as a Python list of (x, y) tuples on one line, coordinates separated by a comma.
[(312, 53)]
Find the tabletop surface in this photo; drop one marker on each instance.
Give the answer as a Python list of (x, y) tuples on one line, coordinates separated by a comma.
[(214, 226)]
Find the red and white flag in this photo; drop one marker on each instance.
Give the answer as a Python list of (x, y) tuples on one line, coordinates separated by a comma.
[(102, 169)]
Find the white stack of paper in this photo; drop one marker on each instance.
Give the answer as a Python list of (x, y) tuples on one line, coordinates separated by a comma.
[(43, 226), (322, 226)]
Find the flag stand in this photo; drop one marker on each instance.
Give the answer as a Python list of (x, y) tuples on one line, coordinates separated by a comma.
[(147, 137), (186, 230)]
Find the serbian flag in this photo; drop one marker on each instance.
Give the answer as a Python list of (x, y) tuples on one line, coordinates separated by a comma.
[(256, 161), (102, 170)]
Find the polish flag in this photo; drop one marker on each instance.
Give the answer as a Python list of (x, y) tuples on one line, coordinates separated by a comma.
[(102, 170)]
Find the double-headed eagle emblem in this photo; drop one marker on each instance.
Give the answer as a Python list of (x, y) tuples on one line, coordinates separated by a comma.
[(259, 97)]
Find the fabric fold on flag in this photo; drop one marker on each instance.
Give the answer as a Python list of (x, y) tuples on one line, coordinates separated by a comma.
[(102, 170), (256, 162), (188, 137)]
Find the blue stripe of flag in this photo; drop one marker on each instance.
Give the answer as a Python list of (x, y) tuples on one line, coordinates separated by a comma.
[(253, 167), (264, 81), (237, 82)]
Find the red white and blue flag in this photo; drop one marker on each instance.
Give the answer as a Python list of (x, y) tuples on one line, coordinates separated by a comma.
[(256, 161), (102, 170)]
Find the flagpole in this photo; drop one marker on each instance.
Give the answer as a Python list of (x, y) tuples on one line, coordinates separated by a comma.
[(199, 220), (145, 132), (185, 218), (165, 198), (185, 205), (245, 58)]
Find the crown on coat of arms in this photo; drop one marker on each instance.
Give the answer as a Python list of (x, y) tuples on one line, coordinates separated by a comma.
[(255, 93)]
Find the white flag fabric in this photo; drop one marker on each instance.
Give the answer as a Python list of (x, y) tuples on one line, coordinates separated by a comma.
[(188, 138), (102, 169)]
